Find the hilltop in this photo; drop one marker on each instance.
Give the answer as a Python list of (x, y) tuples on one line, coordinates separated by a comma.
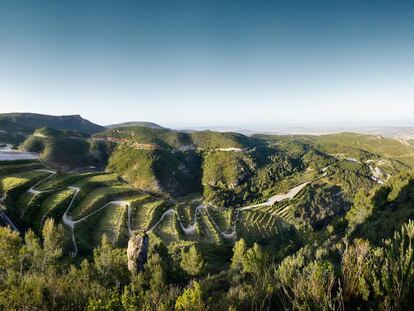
[(15, 127), (221, 207), (135, 124)]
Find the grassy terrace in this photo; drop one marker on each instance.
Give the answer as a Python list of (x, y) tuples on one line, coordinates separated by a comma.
[(334, 180), (96, 190)]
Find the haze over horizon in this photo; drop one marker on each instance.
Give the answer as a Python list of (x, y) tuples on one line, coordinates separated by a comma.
[(214, 63)]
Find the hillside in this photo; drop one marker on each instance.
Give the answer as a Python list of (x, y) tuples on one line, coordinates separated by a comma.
[(144, 137), (235, 212), (15, 127), (135, 124), (375, 144), (62, 148), (235, 169)]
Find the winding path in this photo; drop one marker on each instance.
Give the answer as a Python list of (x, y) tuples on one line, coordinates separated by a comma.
[(277, 198), (68, 221), (188, 230), (32, 190)]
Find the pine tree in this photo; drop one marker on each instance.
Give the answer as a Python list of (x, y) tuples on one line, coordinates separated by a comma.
[(192, 262)]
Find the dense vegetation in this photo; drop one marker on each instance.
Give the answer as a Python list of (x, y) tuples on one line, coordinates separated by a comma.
[(15, 127), (233, 222), (66, 149)]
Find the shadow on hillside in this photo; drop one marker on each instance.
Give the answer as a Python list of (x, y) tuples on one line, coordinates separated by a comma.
[(387, 215)]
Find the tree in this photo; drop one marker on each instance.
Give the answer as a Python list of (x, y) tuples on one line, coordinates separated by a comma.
[(361, 209), (393, 270), (52, 244), (258, 265), (356, 268), (192, 261), (191, 299), (31, 253), (310, 287), (111, 263), (255, 261), (134, 296), (239, 251), (9, 249), (156, 276)]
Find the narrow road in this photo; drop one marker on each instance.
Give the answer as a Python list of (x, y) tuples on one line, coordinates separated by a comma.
[(188, 230), (32, 190), (68, 221), (277, 198)]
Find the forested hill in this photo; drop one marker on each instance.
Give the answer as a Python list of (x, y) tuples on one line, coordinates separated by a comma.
[(135, 124), (230, 222), (14, 127)]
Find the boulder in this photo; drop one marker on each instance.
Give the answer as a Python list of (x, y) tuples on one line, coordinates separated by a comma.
[(137, 252)]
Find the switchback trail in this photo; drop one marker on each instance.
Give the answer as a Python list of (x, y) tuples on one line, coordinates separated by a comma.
[(188, 230)]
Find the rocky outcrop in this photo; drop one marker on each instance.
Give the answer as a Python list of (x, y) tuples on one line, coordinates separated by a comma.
[(5, 220), (137, 252)]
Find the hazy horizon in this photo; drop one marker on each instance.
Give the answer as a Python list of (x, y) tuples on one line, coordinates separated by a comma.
[(260, 127), (217, 63)]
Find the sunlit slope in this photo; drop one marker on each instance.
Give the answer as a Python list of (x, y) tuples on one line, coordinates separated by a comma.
[(15, 127), (210, 196), (67, 149)]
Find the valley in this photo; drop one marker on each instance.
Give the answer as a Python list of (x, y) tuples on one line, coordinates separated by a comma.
[(205, 187), (208, 191)]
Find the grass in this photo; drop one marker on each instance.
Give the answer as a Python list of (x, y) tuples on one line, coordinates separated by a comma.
[(223, 219), (13, 181), (99, 197), (141, 209), (7, 168), (186, 212), (62, 181), (113, 222), (255, 225), (166, 230), (53, 206)]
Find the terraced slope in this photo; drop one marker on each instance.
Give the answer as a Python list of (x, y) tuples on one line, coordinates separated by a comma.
[(93, 204), (263, 193)]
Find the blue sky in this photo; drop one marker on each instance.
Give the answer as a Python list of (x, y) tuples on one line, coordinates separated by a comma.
[(200, 63)]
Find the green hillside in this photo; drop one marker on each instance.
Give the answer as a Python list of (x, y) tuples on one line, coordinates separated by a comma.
[(270, 216), (67, 149), (171, 139), (227, 180), (213, 140), (135, 124), (387, 147), (15, 127)]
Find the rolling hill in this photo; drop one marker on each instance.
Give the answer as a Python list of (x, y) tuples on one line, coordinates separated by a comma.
[(224, 208), (135, 124), (15, 127)]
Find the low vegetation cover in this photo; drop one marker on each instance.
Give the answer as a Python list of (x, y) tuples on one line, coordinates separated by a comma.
[(15, 127), (233, 222)]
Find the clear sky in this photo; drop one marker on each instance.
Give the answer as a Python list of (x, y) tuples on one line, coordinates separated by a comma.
[(196, 63)]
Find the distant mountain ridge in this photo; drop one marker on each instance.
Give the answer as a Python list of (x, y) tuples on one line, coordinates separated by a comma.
[(136, 124), (18, 126), (32, 121)]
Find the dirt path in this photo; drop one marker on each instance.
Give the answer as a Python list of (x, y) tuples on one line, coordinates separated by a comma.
[(188, 230), (277, 198), (68, 221), (33, 190)]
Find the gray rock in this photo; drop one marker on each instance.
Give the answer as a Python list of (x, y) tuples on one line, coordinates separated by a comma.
[(137, 252)]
